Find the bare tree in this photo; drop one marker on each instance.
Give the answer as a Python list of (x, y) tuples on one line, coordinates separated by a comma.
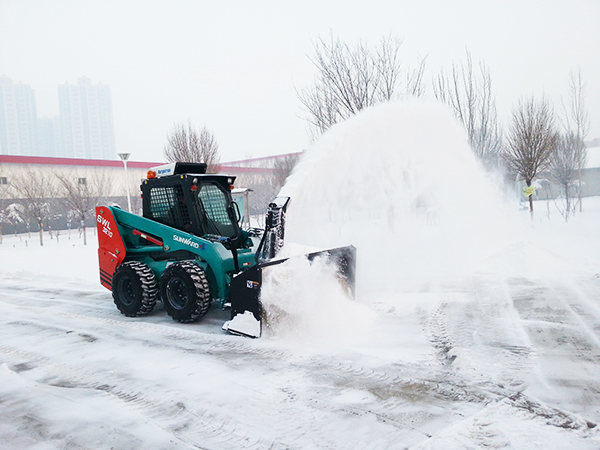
[(576, 124), (263, 189), (267, 184), (470, 97), (352, 78), (14, 214), (283, 168), (576, 117), (565, 168), (3, 220), (186, 144), (82, 195), (35, 189), (532, 141)]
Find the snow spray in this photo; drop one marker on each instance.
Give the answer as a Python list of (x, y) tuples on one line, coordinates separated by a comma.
[(302, 298), (399, 182)]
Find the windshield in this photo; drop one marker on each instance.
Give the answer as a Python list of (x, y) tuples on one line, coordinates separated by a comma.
[(215, 208)]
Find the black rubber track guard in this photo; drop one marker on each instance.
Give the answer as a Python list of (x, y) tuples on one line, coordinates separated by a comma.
[(244, 290)]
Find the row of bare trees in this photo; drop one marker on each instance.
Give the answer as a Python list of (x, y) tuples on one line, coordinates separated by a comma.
[(40, 197), (538, 140), (351, 78)]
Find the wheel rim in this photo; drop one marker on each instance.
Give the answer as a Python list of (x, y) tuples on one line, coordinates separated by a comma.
[(177, 293), (126, 291)]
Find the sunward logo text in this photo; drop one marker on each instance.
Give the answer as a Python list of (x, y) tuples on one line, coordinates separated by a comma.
[(185, 241)]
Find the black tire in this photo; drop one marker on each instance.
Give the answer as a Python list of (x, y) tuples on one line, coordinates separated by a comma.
[(185, 292), (134, 289)]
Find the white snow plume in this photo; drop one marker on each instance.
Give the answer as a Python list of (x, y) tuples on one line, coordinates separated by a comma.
[(307, 299), (400, 182)]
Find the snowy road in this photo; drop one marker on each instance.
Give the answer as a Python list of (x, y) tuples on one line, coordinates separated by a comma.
[(487, 361)]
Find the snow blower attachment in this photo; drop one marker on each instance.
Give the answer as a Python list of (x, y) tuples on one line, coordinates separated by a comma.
[(246, 307), (187, 249)]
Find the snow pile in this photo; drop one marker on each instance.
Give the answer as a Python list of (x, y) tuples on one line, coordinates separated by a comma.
[(303, 299), (399, 182), (243, 324)]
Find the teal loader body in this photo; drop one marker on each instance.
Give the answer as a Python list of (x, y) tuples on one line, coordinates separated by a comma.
[(210, 255)]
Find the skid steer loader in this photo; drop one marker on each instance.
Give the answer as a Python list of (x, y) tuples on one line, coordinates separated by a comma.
[(188, 250)]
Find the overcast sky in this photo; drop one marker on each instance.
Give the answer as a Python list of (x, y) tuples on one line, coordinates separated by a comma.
[(235, 65)]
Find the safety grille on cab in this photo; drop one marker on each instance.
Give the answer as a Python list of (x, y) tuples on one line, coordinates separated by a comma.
[(168, 206)]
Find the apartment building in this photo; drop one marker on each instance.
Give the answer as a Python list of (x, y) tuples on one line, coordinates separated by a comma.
[(83, 129), (18, 118)]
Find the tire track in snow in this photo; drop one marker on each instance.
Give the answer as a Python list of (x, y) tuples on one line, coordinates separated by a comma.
[(184, 420), (393, 389), (214, 428), (478, 335), (226, 343), (193, 333), (166, 407), (180, 421), (63, 376), (562, 320), (486, 340), (218, 346)]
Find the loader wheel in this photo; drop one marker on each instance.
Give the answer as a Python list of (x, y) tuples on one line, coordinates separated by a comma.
[(134, 289), (185, 292)]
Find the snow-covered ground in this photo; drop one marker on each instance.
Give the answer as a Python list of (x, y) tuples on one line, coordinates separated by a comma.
[(456, 340)]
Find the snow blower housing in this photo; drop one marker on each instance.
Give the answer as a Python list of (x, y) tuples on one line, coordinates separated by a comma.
[(188, 249)]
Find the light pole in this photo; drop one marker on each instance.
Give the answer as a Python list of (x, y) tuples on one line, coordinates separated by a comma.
[(124, 157)]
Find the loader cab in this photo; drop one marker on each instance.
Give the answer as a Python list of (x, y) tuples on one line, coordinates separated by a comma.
[(183, 196)]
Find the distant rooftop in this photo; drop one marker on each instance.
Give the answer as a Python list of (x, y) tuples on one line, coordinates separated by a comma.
[(252, 165), (46, 160)]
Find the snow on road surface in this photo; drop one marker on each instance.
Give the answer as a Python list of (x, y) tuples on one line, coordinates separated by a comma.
[(494, 347)]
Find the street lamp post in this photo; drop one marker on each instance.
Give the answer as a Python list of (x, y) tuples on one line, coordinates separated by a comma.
[(124, 157)]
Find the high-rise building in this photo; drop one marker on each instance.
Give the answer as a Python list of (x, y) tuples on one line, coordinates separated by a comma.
[(48, 135), (86, 120), (84, 128), (18, 118)]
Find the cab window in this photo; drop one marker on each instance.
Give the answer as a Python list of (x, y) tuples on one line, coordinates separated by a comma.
[(215, 206)]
